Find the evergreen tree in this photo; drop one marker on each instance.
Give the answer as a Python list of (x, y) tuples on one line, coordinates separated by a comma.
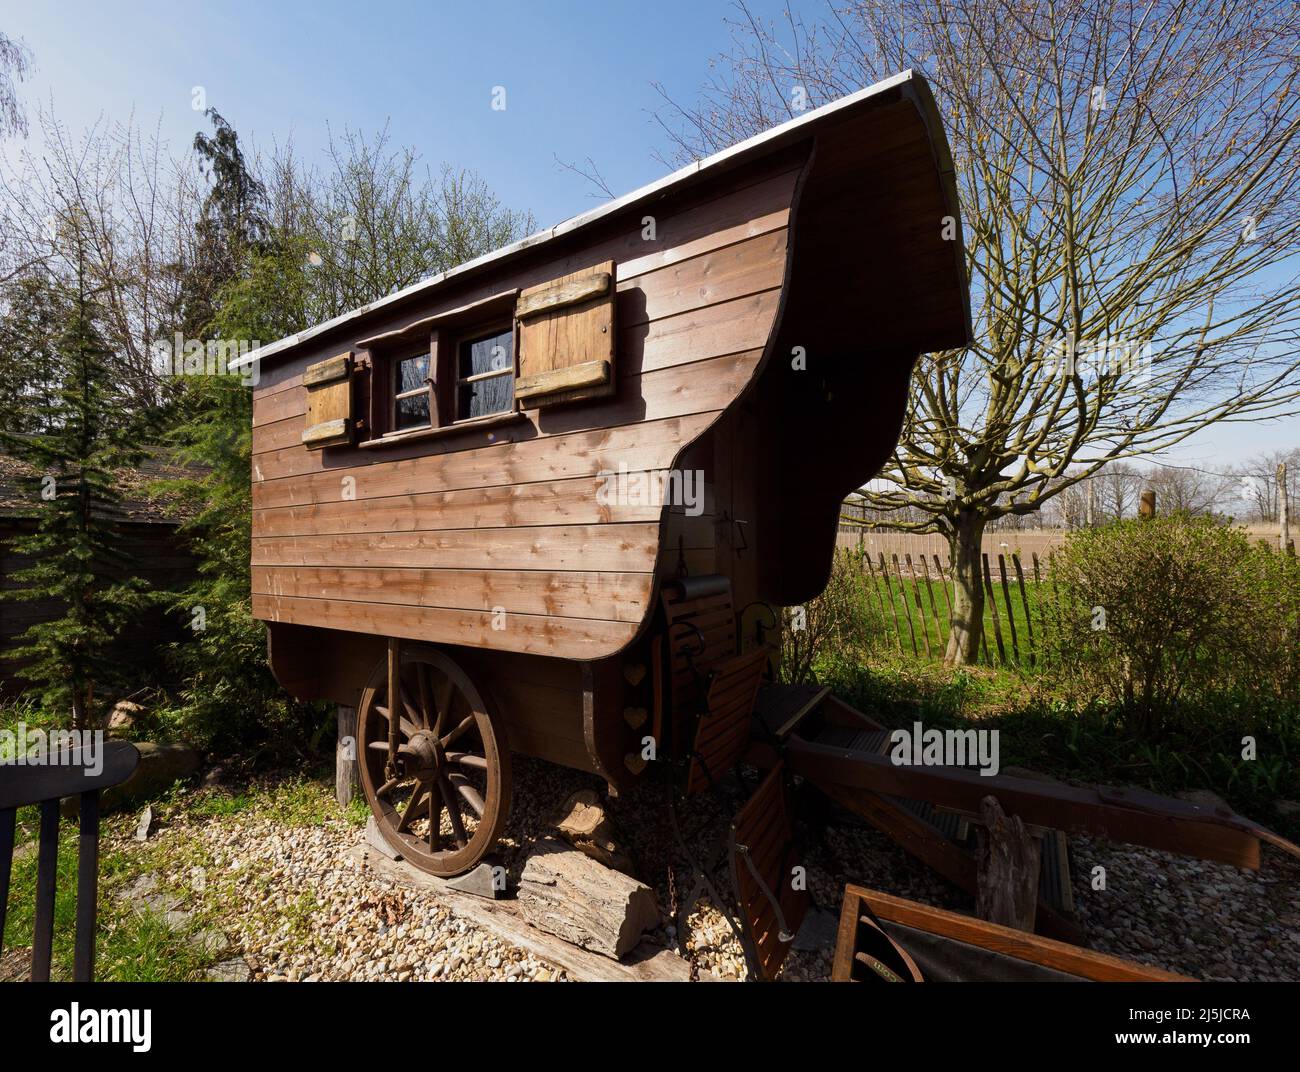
[(35, 314), (84, 439), (244, 288), (232, 224), (230, 697)]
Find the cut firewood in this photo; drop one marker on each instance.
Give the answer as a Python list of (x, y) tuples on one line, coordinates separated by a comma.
[(586, 825), (566, 893)]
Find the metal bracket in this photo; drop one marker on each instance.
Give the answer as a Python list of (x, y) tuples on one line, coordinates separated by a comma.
[(783, 931)]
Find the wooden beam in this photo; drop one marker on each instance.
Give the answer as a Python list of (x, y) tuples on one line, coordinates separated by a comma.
[(334, 368), (1029, 947), (569, 378), (1127, 815), (70, 776), (562, 292)]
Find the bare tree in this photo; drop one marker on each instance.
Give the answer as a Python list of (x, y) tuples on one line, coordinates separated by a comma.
[(133, 205), (376, 222), (1129, 174), (15, 67), (369, 223), (1185, 489), (1257, 481), (1118, 487)]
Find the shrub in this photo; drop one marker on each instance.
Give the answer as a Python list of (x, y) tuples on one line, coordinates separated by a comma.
[(842, 620), (1164, 615)]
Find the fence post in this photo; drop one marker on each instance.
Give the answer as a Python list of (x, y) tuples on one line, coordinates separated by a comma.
[(1147, 503), (1283, 512), (993, 606), (1024, 600), (920, 607), (1011, 616), (879, 597), (934, 608), (893, 610), (907, 609)]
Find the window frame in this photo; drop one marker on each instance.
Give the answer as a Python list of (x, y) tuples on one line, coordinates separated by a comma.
[(392, 396), (442, 344), (481, 331)]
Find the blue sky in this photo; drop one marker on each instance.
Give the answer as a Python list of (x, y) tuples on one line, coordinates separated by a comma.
[(578, 80), (577, 77)]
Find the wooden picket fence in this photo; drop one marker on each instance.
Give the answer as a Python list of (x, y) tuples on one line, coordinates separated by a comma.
[(911, 610)]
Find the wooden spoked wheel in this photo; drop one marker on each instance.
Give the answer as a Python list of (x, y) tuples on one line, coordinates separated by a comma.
[(442, 798)]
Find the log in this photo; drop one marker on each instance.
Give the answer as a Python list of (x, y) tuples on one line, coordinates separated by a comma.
[(568, 894), (586, 825), (345, 757), (1006, 863), (648, 963)]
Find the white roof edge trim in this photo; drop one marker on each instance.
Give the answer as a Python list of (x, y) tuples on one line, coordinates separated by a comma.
[(583, 219)]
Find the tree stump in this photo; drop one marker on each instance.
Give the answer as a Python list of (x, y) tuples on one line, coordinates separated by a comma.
[(568, 894), (345, 757), (1007, 860)]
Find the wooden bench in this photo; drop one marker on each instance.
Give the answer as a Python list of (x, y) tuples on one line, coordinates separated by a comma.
[(46, 786)]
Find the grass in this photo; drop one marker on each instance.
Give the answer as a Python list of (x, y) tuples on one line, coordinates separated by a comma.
[(915, 597), (131, 945), (1039, 730)]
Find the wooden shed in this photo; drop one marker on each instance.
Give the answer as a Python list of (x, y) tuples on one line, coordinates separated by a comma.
[(551, 502), (506, 463)]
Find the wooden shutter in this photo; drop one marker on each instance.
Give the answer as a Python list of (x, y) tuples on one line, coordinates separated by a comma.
[(329, 420), (566, 338)]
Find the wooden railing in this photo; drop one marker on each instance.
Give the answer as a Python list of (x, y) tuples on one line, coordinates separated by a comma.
[(46, 786)]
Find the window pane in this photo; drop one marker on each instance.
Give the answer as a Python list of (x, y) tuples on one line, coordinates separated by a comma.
[(492, 395), (491, 353), (412, 372), (413, 412)]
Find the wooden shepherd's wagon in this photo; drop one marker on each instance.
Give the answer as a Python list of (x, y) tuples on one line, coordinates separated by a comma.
[(549, 501)]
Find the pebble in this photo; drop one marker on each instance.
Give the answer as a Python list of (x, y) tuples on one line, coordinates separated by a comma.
[(294, 905)]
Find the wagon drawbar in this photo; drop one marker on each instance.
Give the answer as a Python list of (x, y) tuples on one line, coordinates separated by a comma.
[(549, 501)]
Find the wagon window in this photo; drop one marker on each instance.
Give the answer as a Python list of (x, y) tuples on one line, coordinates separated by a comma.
[(411, 393), (485, 374)]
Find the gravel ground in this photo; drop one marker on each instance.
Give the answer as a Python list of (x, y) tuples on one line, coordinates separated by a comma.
[(296, 908), (291, 905)]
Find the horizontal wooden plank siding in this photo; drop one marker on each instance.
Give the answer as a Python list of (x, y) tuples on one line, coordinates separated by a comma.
[(565, 595), (567, 638), (441, 539)]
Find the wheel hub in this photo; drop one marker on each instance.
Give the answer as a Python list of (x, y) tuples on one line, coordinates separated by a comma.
[(424, 750)]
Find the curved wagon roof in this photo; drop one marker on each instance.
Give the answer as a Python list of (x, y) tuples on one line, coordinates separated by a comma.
[(835, 236), (904, 85)]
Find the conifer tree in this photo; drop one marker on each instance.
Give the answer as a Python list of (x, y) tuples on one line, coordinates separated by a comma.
[(72, 554)]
